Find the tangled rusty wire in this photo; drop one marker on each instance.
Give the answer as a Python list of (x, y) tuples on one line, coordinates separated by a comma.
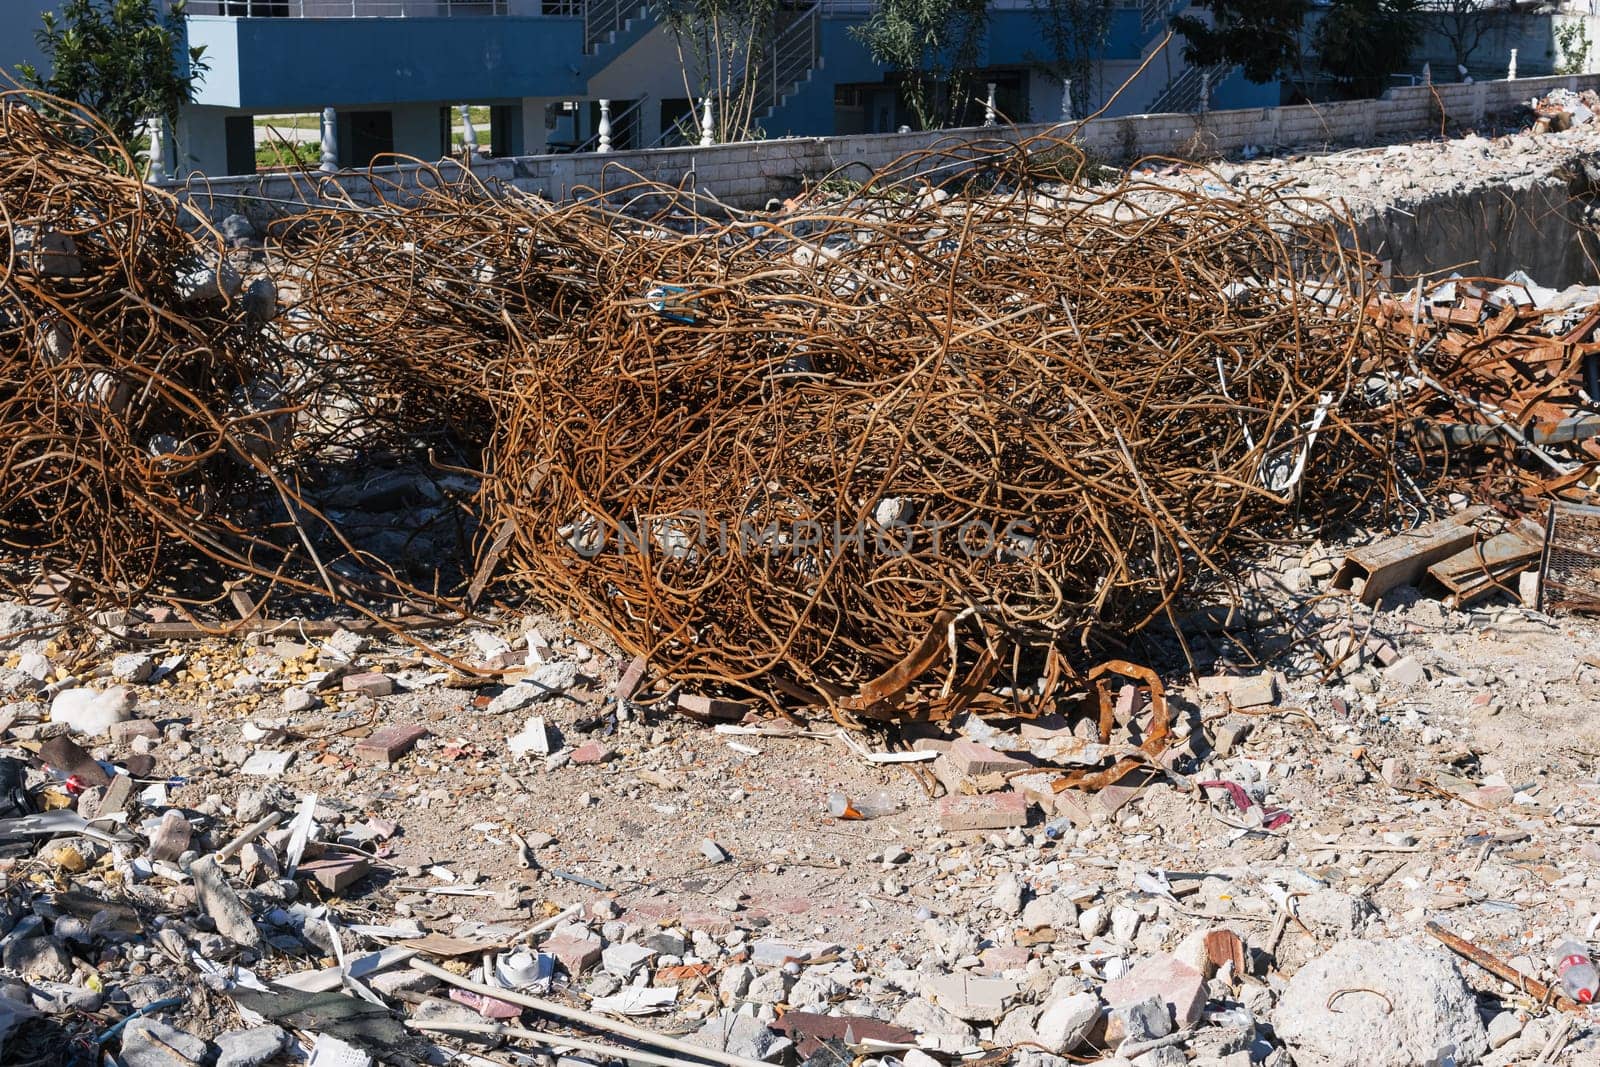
[(903, 437), (151, 415), (896, 452)]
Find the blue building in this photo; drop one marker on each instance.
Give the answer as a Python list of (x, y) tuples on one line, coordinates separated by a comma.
[(395, 70)]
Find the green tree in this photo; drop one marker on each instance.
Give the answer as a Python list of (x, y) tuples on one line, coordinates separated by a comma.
[(1362, 42), (724, 48), (1262, 37), (1076, 32), (123, 59), (933, 45)]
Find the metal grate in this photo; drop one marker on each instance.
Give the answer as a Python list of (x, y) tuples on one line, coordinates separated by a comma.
[(1571, 578)]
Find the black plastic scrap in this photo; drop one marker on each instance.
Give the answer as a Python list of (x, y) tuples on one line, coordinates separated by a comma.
[(347, 1018)]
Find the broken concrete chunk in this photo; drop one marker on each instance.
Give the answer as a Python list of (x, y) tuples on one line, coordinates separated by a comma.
[(1405, 671), (624, 959), (222, 904), (741, 1035), (1142, 1020), (252, 1047), (973, 999), (151, 1043), (939, 1029), (1253, 691), (38, 957), (532, 740), (1380, 1004), (1066, 1021), (136, 667), (547, 680)]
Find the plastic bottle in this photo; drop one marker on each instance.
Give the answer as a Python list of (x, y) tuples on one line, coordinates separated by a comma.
[(874, 806), (1576, 972), (1058, 828)]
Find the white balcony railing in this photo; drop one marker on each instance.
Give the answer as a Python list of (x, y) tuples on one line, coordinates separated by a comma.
[(364, 9)]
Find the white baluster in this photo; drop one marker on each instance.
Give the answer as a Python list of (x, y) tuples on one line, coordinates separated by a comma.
[(708, 128), (1511, 71), (605, 126), (330, 140), (1205, 91), (469, 135), (158, 148), (1427, 74), (1066, 100), (989, 108)]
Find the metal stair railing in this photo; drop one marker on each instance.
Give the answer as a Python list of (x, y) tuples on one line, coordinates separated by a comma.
[(604, 19), (793, 56), (1183, 93)]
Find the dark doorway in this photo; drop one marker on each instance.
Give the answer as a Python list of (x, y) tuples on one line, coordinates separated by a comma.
[(369, 134)]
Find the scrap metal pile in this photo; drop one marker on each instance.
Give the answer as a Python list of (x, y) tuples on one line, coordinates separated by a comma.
[(149, 412), (897, 436), (1506, 379), (925, 434), (894, 453)]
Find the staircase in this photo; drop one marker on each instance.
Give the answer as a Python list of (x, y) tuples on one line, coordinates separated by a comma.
[(1153, 13), (796, 52), (605, 20), (793, 56), (1191, 89)]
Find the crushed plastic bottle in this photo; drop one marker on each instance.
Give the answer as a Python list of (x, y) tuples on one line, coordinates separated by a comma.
[(1576, 972), (875, 806), (1056, 829)]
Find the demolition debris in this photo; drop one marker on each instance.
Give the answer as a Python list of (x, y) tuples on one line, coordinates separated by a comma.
[(376, 689)]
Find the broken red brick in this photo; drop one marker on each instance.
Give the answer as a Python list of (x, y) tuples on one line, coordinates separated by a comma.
[(336, 873), (1178, 985), (989, 811), (390, 743), (592, 752), (628, 684), (576, 954), (688, 974), (712, 709)]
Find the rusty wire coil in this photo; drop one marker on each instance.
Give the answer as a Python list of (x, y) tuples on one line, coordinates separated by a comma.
[(872, 454), (153, 419), (742, 456)]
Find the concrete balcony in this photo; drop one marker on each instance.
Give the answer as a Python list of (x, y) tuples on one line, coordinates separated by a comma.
[(306, 63)]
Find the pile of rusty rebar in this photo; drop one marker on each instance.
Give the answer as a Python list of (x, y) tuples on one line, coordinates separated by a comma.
[(897, 451), (935, 433), (150, 414)]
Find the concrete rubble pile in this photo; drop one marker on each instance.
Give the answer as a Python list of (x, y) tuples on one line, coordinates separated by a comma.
[(1345, 817), (337, 821)]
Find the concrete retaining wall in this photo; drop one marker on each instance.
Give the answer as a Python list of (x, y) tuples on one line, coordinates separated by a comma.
[(748, 174)]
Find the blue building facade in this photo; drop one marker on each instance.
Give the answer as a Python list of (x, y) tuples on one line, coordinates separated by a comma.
[(395, 70)]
